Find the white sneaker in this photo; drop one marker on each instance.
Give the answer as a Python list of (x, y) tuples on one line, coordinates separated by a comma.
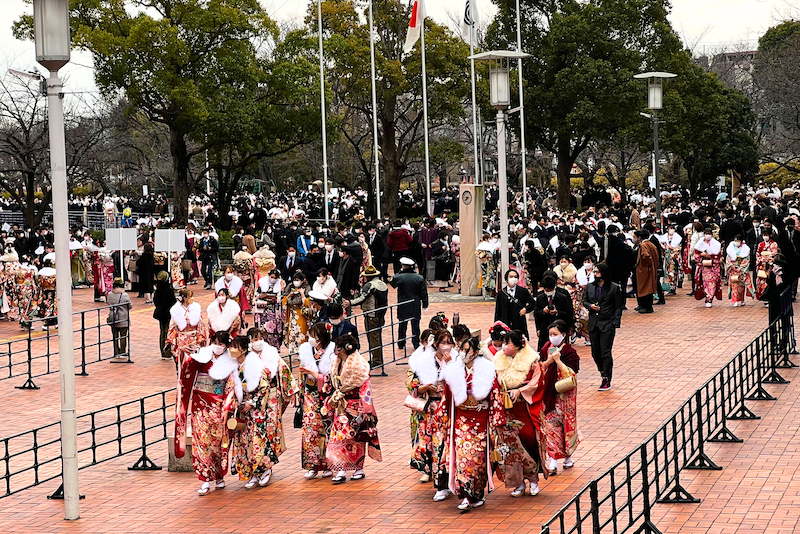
[(534, 489), (519, 490), (708, 304), (568, 462), (204, 489), (252, 483), (735, 304), (464, 505), (441, 495), (311, 474)]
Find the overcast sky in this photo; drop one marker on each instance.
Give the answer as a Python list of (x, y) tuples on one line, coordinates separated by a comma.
[(705, 25)]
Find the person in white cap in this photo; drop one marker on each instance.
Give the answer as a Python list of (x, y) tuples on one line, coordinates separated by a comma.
[(410, 287)]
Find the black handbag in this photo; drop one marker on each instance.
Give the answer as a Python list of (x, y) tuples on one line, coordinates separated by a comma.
[(298, 416)]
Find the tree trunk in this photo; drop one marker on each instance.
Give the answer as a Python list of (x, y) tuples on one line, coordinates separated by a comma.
[(563, 170), (393, 168), (180, 174)]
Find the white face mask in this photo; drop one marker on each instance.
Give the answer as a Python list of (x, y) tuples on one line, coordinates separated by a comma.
[(221, 299), (670, 232), (556, 340), (549, 293), (313, 342), (512, 282), (336, 322), (321, 281), (291, 254), (329, 248), (766, 238), (228, 276), (588, 267), (297, 283), (707, 238), (217, 349), (258, 345), (445, 348)]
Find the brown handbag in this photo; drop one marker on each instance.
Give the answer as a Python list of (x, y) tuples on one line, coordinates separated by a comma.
[(734, 278), (708, 263)]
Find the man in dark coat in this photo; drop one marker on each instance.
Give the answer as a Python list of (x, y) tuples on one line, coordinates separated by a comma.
[(341, 325), (349, 269), (410, 286), (513, 304), (289, 264), (550, 305), (789, 243), (605, 301), (163, 299)]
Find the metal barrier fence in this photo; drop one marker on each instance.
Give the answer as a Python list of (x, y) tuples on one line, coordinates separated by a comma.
[(33, 457), (623, 496), (94, 220), (33, 355)]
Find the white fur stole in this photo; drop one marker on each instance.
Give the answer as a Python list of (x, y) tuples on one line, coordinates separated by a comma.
[(222, 320), (423, 362), (233, 286)]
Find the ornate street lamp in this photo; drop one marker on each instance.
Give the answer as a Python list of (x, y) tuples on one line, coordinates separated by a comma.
[(51, 32), (655, 101)]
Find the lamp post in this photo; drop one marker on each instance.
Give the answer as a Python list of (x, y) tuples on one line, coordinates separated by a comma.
[(51, 31), (500, 99), (655, 97)]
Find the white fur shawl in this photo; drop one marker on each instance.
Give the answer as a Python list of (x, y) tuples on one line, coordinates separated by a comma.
[(269, 358), (483, 377), (263, 285), (712, 247), (253, 368), (743, 252), (423, 362), (233, 286), (308, 360), (224, 367), (178, 314), (222, 320)]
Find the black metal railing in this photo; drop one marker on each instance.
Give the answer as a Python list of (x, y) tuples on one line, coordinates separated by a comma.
[(36, 353), (33, 457), (623, 496)]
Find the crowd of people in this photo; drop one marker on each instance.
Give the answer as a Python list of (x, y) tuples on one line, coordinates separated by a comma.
[(504, 405)]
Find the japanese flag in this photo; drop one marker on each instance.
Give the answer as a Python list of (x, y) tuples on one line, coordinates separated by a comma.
[(414, 26)]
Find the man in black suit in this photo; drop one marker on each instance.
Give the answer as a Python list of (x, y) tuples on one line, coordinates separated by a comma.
[(789, 243), (729, 229), (341, 326), (513, 304), (413, 291), (288, 264), (550, 305), (376, 245), (330, 258), (605, 301)]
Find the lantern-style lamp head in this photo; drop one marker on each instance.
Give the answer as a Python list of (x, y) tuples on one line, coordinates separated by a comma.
[(655, 87), (499, 85), (51, 32)]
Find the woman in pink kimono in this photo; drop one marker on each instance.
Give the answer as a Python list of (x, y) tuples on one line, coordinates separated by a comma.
[(354, 432), (707, 255), (765, 252), (737, 265), (474, 408)]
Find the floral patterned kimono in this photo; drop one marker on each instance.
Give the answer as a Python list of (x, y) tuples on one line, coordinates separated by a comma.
[(349, 399), (267, 386), (26, 294), (11, 267), (47, 304), (187, 331), (488, 282), (708, 276), (106, 271), (560, 409), (568, 279), (427, 427), (737, 265), (765, 252), (672, 259), (474, 407), (297, 312), (268, 310), (244, 269), (175, 270), (315, 426), (203, 395), (455, 248), (523, 445), (78, 267)]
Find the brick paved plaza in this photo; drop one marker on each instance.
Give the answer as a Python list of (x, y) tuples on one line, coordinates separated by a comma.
[(660, 360)]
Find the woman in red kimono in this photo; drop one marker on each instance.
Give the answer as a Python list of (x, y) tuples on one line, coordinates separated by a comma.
[(474, 411), (560, 409), (201, 381), (235, 288), (707, 255), (354, 432), (188, 332), (494, 343), (223, 314), (524, 446), (765, 253)]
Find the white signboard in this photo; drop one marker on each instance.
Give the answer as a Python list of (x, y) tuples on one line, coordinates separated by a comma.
[(170, 240), (121, 238)]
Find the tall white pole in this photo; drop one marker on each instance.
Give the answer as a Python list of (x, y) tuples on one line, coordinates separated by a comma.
[(66, 355), (503, 183), (425, 115), (478, 166), (374, 118), (323, 112), (522, 119)]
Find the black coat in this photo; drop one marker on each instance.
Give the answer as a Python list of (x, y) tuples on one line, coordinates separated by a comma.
[(343, 328), (286, 271), (146, 271), (730, 229), (410, 286), (790, 248), (612, 302), (507, 308), (347, 279), (163, 299), (563, 305), (440, 252)]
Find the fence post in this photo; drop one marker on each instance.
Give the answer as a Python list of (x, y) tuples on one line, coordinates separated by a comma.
[(742, 412), (83, 345), (647, 527), (701, 461), (594, 497), (29, 382), (144, 463), (678, 494), (724, 435), (759, 393), (777, 332)]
